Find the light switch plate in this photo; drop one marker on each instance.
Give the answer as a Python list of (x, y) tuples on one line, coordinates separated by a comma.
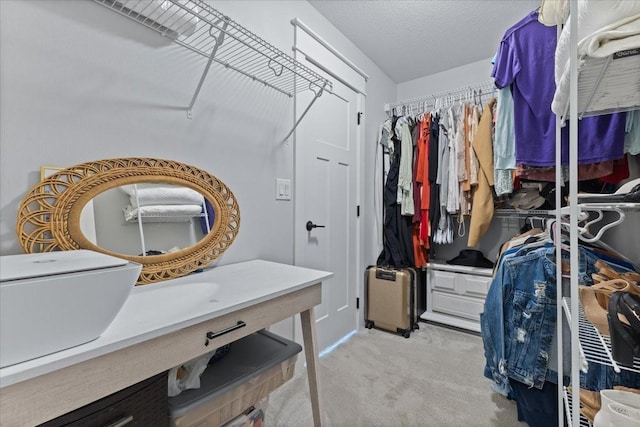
[(283, 189)]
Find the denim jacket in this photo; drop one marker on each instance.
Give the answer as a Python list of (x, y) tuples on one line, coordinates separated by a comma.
[(518, 323)]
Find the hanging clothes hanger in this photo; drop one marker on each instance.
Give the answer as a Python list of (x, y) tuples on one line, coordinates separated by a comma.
[(585, 229)]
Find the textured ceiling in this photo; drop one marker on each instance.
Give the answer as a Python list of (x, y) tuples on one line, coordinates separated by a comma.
[(408, 39)]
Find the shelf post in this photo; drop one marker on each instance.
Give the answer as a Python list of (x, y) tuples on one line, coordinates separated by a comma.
[(219, 40)]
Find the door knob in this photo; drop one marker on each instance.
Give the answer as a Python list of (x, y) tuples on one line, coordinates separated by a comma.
[(310, 226)]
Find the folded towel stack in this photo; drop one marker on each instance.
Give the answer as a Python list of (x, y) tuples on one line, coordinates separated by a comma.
[(148, 195), (171, 213), (162, 201)]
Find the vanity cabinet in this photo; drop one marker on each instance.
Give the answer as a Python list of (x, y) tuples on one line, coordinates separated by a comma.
[(456, 294), (155, 331)]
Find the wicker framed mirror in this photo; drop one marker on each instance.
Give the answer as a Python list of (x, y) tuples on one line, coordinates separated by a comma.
[(49, 215)]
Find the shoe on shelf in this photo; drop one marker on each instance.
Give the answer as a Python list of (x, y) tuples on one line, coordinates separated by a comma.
[(624, 327), (593, 311)]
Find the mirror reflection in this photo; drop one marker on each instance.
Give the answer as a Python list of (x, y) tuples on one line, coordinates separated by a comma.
[(151, 218), (130, 222)]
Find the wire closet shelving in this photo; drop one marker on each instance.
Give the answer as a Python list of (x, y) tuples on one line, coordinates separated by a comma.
[(597, 86), (198, 27)]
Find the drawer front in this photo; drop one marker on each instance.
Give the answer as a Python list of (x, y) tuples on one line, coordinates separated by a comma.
[(144, 406), (474, 285), (458, 305), (443, 280)]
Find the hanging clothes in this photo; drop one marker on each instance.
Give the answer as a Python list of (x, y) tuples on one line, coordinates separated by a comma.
[(444, 231), (420, 189), (504, 144), (453, 192), (483, 208), (382, 146), (519, 317), (434, 170), (405, 174), (521, 63), (397, 242)]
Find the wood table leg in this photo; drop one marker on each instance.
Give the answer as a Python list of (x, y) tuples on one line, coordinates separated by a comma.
[(308, 321)]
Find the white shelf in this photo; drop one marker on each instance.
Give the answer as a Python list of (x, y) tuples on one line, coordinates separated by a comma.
[(595, 347), (566, 210), (508, 213), (608, 85), (205, 31), (480, 271), (239, 49), (568, 399)]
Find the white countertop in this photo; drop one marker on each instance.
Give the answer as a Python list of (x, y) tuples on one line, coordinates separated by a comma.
[(158, 309)]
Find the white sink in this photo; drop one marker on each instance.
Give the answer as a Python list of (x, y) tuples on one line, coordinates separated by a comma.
[(57, 300)]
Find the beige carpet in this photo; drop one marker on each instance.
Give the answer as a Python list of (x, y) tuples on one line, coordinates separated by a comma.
[(380, 379)]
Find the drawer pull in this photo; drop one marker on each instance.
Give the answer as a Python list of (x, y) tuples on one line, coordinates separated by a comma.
[(122, 421), (212, 335)]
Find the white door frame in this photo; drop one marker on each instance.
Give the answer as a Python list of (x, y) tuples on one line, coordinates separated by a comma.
[(361, 95)]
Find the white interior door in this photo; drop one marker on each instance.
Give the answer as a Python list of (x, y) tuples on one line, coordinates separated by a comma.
[(326, 186)]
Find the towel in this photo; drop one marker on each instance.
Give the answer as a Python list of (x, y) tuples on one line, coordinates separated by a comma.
[(169, 213), (151, 194)]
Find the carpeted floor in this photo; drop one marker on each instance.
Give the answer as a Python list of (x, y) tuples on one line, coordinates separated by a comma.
[(380, 379)]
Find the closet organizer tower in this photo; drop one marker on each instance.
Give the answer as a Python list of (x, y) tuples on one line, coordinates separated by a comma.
[(598, 84), (594, 85)]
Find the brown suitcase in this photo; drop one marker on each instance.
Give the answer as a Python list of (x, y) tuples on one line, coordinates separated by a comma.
[(391, 299)]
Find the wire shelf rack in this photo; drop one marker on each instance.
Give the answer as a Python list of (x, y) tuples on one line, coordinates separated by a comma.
[(197, 26), (568, 402), (510, 213), (607, 85), (595, 346)]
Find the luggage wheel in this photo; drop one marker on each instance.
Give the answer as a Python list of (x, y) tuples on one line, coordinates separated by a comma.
[(368, 324)]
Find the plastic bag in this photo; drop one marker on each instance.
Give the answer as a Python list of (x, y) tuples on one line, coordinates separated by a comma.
[(187, 375)]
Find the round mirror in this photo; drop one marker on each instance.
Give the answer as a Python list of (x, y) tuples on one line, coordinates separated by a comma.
[(146, 202)]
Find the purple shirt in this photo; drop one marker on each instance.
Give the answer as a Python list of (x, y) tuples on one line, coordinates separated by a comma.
[(525, 61)]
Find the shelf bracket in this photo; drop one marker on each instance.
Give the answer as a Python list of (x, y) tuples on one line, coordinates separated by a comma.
[(317, 94), (218, 42)]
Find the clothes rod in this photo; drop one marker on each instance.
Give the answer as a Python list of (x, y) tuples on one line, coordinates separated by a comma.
[(485, 87)]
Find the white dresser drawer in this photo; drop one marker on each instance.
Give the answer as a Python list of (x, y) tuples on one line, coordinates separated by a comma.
[(456, 294), (477, 286), (457, 305), (444, 280)]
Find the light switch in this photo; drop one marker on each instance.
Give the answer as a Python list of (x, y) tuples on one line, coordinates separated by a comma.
[(283, 189)]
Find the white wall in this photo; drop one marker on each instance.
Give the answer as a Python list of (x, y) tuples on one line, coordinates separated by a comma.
[(465, 75), (79, 82)]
